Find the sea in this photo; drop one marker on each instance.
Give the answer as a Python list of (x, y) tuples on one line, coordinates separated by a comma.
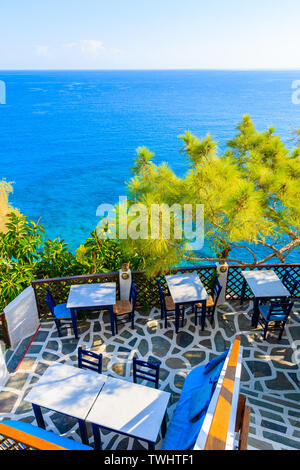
[(68, 138)]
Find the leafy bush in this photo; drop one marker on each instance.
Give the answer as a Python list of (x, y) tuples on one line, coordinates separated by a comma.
[(105, 255), (25, 255)]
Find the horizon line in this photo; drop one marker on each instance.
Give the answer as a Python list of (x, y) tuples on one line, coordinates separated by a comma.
[(156, 69)]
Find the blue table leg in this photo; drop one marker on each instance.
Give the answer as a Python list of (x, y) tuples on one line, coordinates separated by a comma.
[(177, 315), (74, 321), (112, 319), (83, 432), (203, 315), (97, 437), (243, 291), (255, 314), (164, 426), (38, 416)]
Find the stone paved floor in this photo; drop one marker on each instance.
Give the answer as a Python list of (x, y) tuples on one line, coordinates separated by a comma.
[(270, 375)]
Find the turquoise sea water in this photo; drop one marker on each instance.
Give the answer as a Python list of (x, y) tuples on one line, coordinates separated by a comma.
[(68, 138)]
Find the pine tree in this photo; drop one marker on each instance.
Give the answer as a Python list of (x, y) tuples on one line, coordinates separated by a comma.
[(251, 193)]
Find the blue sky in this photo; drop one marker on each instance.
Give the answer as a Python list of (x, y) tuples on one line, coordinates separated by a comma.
[(149, 34)]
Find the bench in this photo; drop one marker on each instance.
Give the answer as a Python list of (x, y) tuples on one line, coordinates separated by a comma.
[(212, 423), (17, 435)]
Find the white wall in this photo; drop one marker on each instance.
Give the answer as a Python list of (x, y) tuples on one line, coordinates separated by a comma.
[(22, 317), (3, 368)]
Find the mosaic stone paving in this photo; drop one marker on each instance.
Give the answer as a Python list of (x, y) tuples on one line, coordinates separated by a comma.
[(270, 375)]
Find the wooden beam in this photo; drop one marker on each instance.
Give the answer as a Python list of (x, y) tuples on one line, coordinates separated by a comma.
[(240, 412), (27, 439), (218, 432), (244, 433)]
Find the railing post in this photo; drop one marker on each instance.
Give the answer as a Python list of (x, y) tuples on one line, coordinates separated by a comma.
[(125, 280), (222, 270)]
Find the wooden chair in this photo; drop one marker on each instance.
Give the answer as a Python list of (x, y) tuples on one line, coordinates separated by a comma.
[(211, 303), (167, 306), (85, 363), (140, 372), (126, 308), (276, 312), (290, 283), (59, 312)]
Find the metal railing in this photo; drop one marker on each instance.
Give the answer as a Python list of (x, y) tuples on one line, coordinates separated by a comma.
[(148, 294)]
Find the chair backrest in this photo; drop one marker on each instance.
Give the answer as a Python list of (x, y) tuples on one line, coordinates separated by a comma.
[(216, 290), (151, 373), (84, 363), (290, 283), (50, 301), (161, 296), (280, 307), (133, 295)]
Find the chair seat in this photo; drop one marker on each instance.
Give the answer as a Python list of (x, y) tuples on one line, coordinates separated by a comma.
[(209, 303), (61, 311), (170, 306), (265, 309), (122, 307)]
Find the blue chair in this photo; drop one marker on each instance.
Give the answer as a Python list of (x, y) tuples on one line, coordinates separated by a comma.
[(167, 306), (151, 373), (84, 363), (59, 312), (211, 303), (278, 312), (126, 308), (291, 283)]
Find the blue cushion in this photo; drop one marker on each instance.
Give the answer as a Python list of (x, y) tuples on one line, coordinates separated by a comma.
[(265, 309), (46, 435), (61, 311), (183, 433), (201, 398), (215, 361), (191, 437), (199, 401)]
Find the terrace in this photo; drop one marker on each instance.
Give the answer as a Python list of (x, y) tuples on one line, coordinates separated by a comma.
[(270, 369)]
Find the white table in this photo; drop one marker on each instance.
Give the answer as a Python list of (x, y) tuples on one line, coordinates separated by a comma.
[(264, 284), (67, 390), (187, 289), (130, 409), (92, 296)]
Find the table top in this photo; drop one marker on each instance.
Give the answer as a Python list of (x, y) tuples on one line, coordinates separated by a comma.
[(132, 409), (186, 288), (92, 295), (265, 283), (67, 389)]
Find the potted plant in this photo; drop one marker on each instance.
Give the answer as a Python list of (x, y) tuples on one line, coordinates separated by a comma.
[(223, 251)]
